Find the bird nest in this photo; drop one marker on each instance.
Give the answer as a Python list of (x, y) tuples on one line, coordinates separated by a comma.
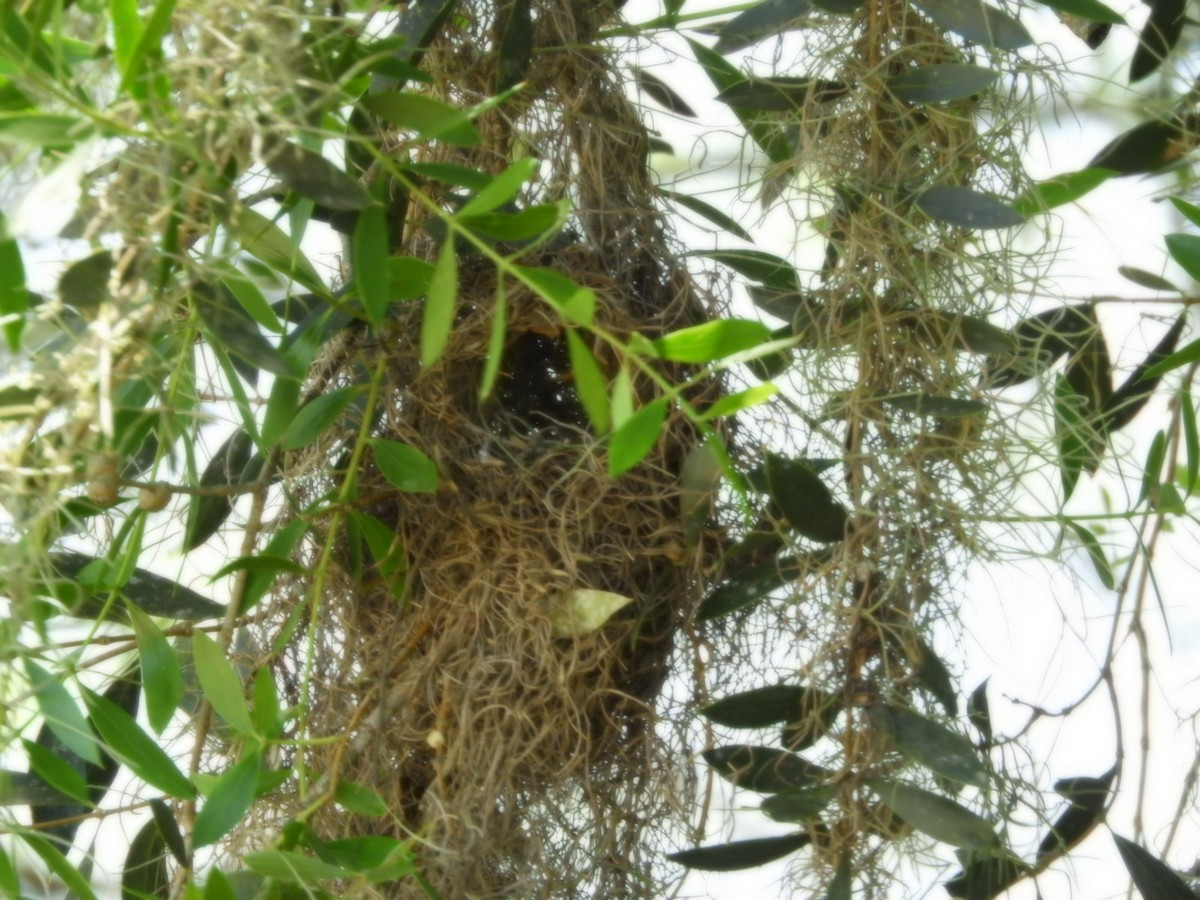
[(526, 758)]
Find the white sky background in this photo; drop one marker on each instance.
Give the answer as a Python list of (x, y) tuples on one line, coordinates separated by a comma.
[(1035, 627)]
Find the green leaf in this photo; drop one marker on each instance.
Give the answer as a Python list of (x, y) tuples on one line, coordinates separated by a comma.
[(1159, 36), (740, 854), (747, 587), (1151, 876), (840, 886), (428, 117), (934, 677), (1087, 798), (764, 769), (1191, 437), (52, 131), (1060, 190), (661, 92), (84, 284), (766, 269), (133, 747), (67, 780), (262, 238), (941, 83), (764, 19), (780, 94), (207, 512), (1154, 461), (1190, 211), (1092, 10), (161, 678), (938, 407), (372, 272), (524, 225), (358, 798), (805, 501), (316, 416), (227, 802), (760, 707), (266, 712), (590, 383), (146, 46), (222, 685), (232, 330), (408, 277), (729, 404), (251, 299), (313, 176), (967, 208), (1145, 279), (1096, 554), (937, 816), (281, 544), (58, 864), (1078, 443), (1147, 147), (501, 189), (514, 51), (145, 872), (977, 22), (583, 610), (577, 304), (292, 868), (496, 339), (440, 304), (979, 711), (632, 441), (709, 212), (933, 746), (10, 884), (798, 804), (1185, 250), (14, 296), (405, 467), (61, 714), (712, 340)]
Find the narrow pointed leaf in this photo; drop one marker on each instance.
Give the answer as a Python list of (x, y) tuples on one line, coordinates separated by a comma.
[(227, 802), (738, 855), (1145, 279), (262, 238), (514, 52), (208, 512), (939, 817), (135, 748), (429, 118), (583, 611), (222, 685), (440, 305), (372, 271), (1159, 36), (1151, 876), (967, 208), (764, 19), (746, 588), (764, 769), (709, 212), (590, 383), (1147, 147), (765, 268), (712, 340), (661, 92), (630, 443), (979, 712), (1092, 10), (941, 83), (806, 502), (317, 416), (798, 804), (1060, 190), (1133, 394), (1096, 554), (161, 678), (977, 22), (145, 872), (405, 467), (781, 93), (84, 285), (758, 708), (313, 176), (933, 745), (1087, 799), (61, 714)]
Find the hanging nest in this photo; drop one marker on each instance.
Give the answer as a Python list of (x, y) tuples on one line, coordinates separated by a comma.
[(524, 758)]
